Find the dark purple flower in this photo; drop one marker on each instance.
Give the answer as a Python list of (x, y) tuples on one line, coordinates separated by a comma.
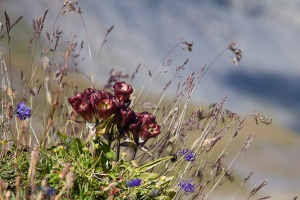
[(82, 106), (104, 104), (122, 91), (22, 111), (125, 116), (124, 119), (187, 186), (144, 128), (134, 182), (135, 129), (149, 128), (188, 154)]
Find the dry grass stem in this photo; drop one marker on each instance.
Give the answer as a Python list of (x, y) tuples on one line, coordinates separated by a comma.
[(256, 189)]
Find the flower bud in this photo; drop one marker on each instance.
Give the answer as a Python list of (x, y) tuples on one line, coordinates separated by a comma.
[(122, 91)]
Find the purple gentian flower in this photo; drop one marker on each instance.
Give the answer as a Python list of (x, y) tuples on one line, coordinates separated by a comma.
[(134, 182), (144, 127), (122, 91), (23, 112)]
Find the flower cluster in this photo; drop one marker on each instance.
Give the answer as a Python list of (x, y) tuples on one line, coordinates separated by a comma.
[(106, 109), (22, 111)]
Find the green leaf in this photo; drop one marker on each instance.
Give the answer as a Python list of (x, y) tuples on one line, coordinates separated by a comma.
[(63, 137), (127, 166), (152, 164), (108, 152), (164, 183), (128, 143), (75, 146), (170, 193), (105, 126), (149, 176)]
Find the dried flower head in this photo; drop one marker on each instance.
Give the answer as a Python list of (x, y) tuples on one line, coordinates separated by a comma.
[(69, 180), (237, 52), (9, 111), (189, 45)]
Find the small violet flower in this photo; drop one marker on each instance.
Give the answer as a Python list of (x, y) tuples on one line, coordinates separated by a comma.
[(134, 182), (188, 154), (187, 186), (47, 190), (22, 111)]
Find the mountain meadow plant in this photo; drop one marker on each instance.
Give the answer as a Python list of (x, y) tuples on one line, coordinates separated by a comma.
[(63, 138)]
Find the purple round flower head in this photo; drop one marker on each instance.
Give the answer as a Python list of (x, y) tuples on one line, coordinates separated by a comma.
[(187, 186), (134, 182), (47, 190), (188, 154), (23, 112)]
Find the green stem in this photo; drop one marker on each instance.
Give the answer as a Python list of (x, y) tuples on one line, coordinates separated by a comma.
[(118, 150)]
